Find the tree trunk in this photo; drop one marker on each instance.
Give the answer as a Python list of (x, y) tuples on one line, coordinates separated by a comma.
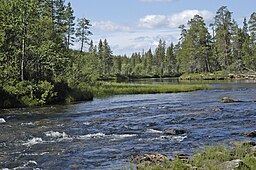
[(23, 51)]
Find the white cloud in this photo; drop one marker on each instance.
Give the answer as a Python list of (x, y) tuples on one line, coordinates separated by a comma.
[(137, 41), (151, 21), (173, 21), (109, 26), (156, 0)]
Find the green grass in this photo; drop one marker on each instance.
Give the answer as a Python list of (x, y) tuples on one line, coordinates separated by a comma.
[(211, 158), (107, 89), (219, 75)]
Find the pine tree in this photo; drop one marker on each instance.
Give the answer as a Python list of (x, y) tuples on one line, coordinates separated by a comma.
[(82, 31), (170, 61), (160, 57), (196, 47), (237, 42), (149, 60), (106, 58), (223, 25), (69, 16), (91, 47)]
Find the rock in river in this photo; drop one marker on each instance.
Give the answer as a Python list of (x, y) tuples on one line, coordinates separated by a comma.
[(2, 120), (174, 131), (228, 100), (251, 134)]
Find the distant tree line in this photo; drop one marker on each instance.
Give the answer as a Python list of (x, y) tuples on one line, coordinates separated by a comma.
[(221, 46)]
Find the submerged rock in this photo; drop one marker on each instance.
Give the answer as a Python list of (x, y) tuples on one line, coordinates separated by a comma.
[(149, 159), (234, 165), (2, 120), (228, 100), (251, 134), (174, 131)]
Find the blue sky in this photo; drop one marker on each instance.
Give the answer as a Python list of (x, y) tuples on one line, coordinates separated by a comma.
[(134, 25)]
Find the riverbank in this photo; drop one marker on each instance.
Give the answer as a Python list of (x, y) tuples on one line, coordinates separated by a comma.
[(220, 75), (241, 156), (27, 94), (108, 89)]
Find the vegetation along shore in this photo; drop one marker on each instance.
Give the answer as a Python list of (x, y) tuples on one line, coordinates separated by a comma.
[(239, 156), (38, 65)]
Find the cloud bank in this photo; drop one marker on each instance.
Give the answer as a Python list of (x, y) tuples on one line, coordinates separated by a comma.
[(125, 39), (173, 21), (109, 26)]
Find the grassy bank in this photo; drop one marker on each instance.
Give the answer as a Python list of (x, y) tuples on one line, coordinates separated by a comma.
[(31, 94), (219, 75), (213, 158), (28, 94), (107, 89)]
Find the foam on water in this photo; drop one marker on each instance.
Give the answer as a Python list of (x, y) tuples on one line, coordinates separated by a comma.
[(118, 137), (28, 124), (33, 141), (102, 135), (28, 165), (176, 138), (86, 123), (55, 134), (89, 136), (2, 120), (153, 131)]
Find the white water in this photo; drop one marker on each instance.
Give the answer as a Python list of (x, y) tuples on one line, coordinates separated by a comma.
[(82, 136), (55, 134), (33, 141), (2, 120)]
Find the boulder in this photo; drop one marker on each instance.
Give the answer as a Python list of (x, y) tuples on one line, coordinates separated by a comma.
[(174, 131), (149, 159), (2, 120), (228, 100), (251, 134), (234, 165)]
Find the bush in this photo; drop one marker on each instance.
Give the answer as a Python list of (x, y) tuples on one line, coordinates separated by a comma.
[(27, 93), (44, 92), (8, 100), (82, 92)]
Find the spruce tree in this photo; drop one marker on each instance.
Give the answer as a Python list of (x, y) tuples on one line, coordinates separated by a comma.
[(82, 31)]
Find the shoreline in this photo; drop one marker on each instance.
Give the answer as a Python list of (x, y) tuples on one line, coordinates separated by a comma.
[(105, 89), (219, 76), (240, 155)]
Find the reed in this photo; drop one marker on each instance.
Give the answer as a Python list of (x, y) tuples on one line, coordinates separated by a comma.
[(107, 89)]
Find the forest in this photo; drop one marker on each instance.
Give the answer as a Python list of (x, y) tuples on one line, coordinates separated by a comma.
[(38, 65)]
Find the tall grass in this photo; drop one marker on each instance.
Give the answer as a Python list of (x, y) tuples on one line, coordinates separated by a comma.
[(107, 89), (212, 158)]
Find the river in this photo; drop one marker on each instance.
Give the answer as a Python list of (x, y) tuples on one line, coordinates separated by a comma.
[(104, 133)]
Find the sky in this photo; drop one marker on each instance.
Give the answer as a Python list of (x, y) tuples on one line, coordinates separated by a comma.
[(137, 25)]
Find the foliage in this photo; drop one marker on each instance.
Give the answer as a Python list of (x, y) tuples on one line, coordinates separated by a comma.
[(38, 66), (211, 158), (218, 75), (35, 37), (29, 94)]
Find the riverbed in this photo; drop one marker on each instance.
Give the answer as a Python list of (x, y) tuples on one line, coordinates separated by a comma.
[(104, 133)]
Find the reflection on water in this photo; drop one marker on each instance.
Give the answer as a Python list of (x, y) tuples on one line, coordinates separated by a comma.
[(104, 133)]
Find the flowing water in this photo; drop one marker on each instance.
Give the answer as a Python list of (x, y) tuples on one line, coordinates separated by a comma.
[(104, 133)]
